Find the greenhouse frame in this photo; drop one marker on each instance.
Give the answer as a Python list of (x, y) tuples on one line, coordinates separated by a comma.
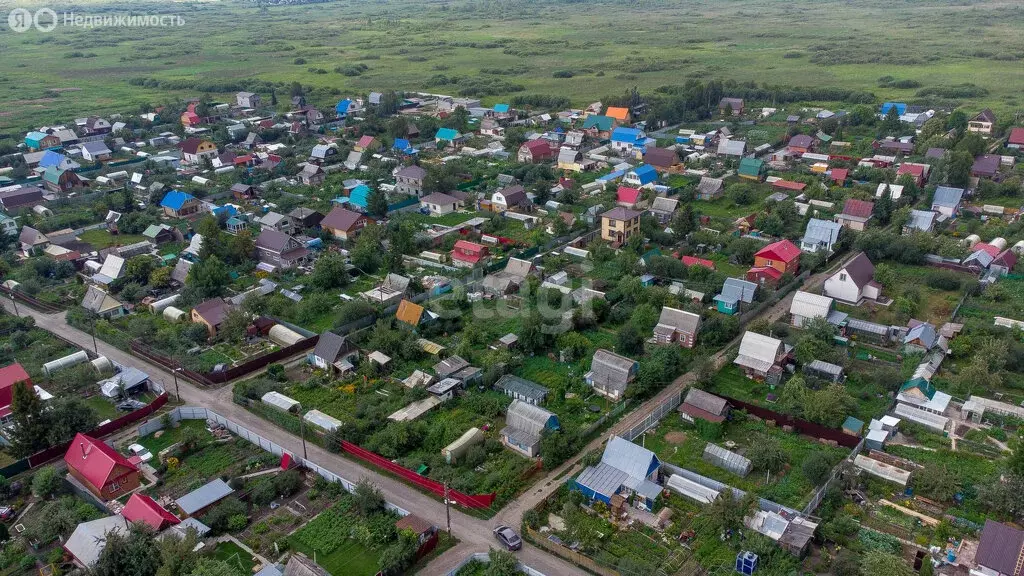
[(691, 489), (322, 421), (923, 417), (882, 470), (726, 460)]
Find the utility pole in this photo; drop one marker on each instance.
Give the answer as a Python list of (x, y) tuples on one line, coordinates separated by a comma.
[(302, 433), (95, 348), (447, 508), (15, 302), (177, 392)]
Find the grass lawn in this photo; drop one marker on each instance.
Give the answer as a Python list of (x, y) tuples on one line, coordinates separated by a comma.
[(100, 238), (349, 559), (235, 557), (104, 408), (171, 435)]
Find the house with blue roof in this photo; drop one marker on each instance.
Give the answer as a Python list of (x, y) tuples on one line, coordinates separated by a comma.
[(900, 107), (342, 108), (178, 204), (447, 137), (947, 200), (41, 140), (628, 140), (735, 292), (360, 196), (627, 470), (402, 146), (641, 177), (57, 160), (501, 108)]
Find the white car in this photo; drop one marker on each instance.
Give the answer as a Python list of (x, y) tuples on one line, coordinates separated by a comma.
[(141, 451)]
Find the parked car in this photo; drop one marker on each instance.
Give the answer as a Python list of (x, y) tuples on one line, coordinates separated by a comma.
[(7, 513), (508, 538), (141, 451)]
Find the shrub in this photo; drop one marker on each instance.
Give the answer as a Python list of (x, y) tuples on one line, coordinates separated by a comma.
[(942, 281), (237, 522), (299, 61), (563, 74)]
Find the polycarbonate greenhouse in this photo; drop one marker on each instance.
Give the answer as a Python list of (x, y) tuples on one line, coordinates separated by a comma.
[(726, 460)]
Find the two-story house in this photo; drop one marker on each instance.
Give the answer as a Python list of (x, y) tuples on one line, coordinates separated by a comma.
[(280, 251), (620, 224), (409, 180)]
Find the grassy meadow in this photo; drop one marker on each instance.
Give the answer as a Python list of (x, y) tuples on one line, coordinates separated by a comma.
[(503, 48)]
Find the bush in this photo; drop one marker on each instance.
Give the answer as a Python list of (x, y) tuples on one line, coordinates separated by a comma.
[(817, 468), (237, 522), (46, 482), (943, 281), (263, 491), (288, 483), (563, 74)]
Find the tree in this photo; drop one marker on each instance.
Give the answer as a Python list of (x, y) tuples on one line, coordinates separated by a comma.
[(829, 406), (138, 268), (235, 323), (212, 567), (878, 562), (766, 454), (377, 203), (177, 556), (367, 498), (133, 554), (531, 336), (46, 482), (816, 468), (400, 555), (208, 278), (502, 563), (958, 169), (240, 247), (211, 233), (67, 416), (329, 272), (684, 222), (160, 277), (883, 208), (793, 397), (891, 124), (629, 340), (366, 255), (29, 425)]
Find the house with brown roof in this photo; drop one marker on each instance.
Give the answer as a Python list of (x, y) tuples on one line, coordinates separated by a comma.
[(439, 204), (985, 166), (854, 282), (211, 314), (195, 150), (731, 106), (535, 151), (982, 123), (701, 405), (855, 214), (677, 326), (801, 144), (312, 175), (511, 198), (663, 159), (999, 551), (279, 251), (344, 224)]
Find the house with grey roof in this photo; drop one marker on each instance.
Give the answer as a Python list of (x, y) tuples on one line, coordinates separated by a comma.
[(761, 357), (663, 208), (521, 389), (101, 303), (807, 306), (611, 373), (734, 148), (86, 543), (321, 152), (95, 151), (409, 180), (276, 221), (626, 469), (334, 352), (509, 279), (820, 235), (946, 200), (677, 326), (735, 292), (524, 426), (920, 221)]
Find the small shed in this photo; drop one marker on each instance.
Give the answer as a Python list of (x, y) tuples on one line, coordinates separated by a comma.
[(281, 402), (204, 497), (876, 439), (853, 426), (726, 460)]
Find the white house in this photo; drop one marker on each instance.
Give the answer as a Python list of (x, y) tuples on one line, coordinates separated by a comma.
[(854, 282), (820, 235), (439, 204), (807, 306)]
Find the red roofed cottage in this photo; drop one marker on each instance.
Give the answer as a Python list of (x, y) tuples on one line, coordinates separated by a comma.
[(142, 508), (783, 255), (10, 376), (468, 253), (100, 468)]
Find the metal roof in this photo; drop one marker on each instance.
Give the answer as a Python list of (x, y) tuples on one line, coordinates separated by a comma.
[(810, 305), (521, 387), (603, 479), (88, 540), (760, 347), (632, 459), (204, 496), (279, 400)]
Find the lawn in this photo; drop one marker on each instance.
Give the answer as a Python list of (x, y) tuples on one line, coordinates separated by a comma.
[(100, 238), (349, 559), (104, 408), (171, 435), (235, 556)]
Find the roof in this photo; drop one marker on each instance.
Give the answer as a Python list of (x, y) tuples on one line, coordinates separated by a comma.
[(446, 134), (366, 141), (821, 232), (450, 365), (142, 508), (180, 272), (602, 479), (538, 146), (301, 565), (413, 171), (191, 145), (826, 368), (95, 148), (664, 205), (706, 401), (921, 220), (521, 387), (627, 195), (801, 141), (175, 199), (1016, 136), (733, 103), (636, 461), (985, 115), (839, 174), (661, 157), (9, 376), (750, 167), (620, 213), (986, 164), (96, 461), (1000, 547), (409, 313), (924, 332), (525, 421), (645, 173), (709, 185), (860, 270), (810, 305), (739, 290), (329, 346), (213, 311), (617, 113), (760, 348), (340, 219), (623, 134), (21, 196), (204, 496), (732, 147), (514, 195), (88, 540), (679, 320), (858, 208), (695, 261), (414, 523), (98, 301), (783, 250), (598, 122)]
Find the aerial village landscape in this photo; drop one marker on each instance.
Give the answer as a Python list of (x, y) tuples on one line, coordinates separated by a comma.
[(720, 329)]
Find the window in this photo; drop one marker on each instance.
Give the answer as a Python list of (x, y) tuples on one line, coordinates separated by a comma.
[(115, 486), (842, 276)]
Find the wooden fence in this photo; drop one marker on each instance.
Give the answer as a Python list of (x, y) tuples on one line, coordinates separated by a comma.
[(570, 555)]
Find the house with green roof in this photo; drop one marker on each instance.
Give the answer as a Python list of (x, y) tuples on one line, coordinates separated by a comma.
[(57, 180), (599, 126), (447, 137), (752, 169)]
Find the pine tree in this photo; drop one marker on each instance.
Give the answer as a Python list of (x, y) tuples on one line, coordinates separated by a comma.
[(29, 424)]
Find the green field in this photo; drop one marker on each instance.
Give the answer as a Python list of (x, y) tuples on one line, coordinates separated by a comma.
[(235, 557), (501, 49)]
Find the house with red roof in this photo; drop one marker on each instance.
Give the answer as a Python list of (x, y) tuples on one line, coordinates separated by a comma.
[(787, 185), (918, 171), (142, 508), (627, 197), (11, 376), (367, 144), (694, 261), (1016, 138), (783, 256), (764, 276), (535, 151), (855, 214), (839, 176), (100, 468), (468, 254)]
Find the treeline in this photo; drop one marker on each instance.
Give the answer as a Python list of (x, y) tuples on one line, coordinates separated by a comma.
[(242, 85)]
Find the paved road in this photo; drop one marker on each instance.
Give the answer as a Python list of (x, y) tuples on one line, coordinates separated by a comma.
[(474, 534)]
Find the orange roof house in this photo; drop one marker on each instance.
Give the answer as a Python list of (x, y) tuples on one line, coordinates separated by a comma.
[(619, 114), (100, 468), (409, 313), (783, 255)]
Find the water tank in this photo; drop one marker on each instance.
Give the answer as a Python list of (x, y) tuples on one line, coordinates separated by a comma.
[(103, 366), (284, 336), (160, 305), (971, 240), (172, 314), (1018, 248), (999, 242), (61, 363)]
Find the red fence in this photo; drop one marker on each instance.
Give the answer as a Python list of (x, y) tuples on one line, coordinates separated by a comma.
[(467, 500), (52, 452), (802, 426)]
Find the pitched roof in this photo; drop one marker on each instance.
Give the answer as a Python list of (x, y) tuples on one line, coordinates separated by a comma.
[(95, 460), (695, 261), (277, 241), (213, 311), (521, 387), (446, 134), (366, 141), (1016, 136), (301, 565), (921, 220), (706, 401), (679, 320), (664, 204), (810, 305), (617, 112), (645, 173), (98, 301), (801, 141), (709, 185), (1000, 547), (439, 198), (515, 195), (88, 540), (598, 122), (750, 166), (732, 147), (821, 232), (538, 147), (986, 164), (340, 219), (635, 460), (620, 213), (409, 313), (759, 346), (623, 134), (329, 346), (610, 369), (202, 497), (924, 332), (412, 171), (627, 195), (860, 270), (191, 145), (142, 508), (858, 208), (985, 115), (413, 522), (525, 419), (175, 199), (739, 290), (783, 250), (660, 157), (947, 196)]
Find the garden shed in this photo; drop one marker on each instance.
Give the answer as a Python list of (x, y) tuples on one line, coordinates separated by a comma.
[(726, 460), (281, 402)]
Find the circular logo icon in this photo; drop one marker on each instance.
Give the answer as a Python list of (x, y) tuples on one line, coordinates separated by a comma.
[(47, 24), (19, 20)]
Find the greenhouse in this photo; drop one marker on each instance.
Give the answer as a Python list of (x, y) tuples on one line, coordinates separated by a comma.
[(726, 460), (280, 401), (322, 421), (691, 489), (882, 470), (928, 419)]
